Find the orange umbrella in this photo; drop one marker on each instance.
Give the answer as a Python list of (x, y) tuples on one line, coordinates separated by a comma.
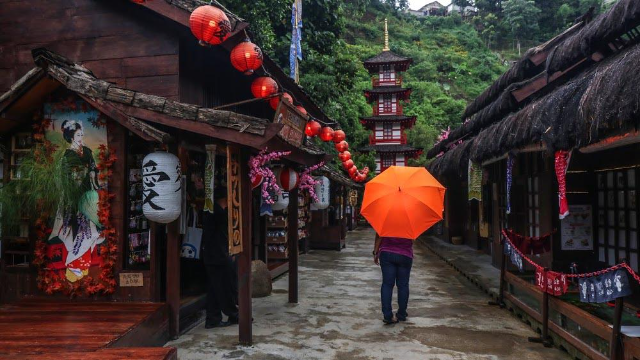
[(403, 202)]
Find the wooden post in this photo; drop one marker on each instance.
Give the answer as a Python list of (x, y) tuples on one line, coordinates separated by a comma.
[(616, 344), (544, 337), (503, 270), (173, 278), (244, 258), (292, 236)]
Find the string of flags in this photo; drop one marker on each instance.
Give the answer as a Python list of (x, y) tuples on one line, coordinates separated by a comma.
[(595, 287)]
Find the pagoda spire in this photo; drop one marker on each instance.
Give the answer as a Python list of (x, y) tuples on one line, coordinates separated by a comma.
[(386, 36)]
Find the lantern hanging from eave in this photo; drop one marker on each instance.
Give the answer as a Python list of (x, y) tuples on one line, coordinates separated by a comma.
[(344, 156), (302, 110), (352, 171), (312, 128), (257, 181), (339, 136), (161, 185), (342, 146), (246, 57), (281, 201), (287, 178), (209, 25), (322, 192), (276, 100), (263, 86), (326, 134), (348, 164), (360, 177)]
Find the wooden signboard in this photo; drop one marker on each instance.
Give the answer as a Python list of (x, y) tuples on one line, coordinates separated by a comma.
[(131, 280), (234, 199), (294, 122)]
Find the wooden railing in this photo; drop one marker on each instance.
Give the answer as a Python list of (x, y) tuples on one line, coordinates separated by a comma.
[(401, 140), (377, 112), (387, 82)]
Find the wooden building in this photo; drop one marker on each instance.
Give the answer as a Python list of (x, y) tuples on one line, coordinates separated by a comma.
[(140, 74), (576, 93)]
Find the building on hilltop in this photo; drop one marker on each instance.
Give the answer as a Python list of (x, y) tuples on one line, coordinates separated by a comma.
[(434, 8), (388, 122)]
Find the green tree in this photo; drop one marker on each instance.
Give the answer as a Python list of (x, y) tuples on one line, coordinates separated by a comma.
[(490, 27), (565, 14), (522, 17)]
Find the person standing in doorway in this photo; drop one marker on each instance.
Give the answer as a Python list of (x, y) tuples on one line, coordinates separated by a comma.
[(395, 257), (220, 273)]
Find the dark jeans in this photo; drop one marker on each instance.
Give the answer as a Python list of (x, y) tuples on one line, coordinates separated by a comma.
[(220, 292), (395, 271)]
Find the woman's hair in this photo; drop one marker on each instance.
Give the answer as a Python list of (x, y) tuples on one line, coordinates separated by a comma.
[(69, 128)]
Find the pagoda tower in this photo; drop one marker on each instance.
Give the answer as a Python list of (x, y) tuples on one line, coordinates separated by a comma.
[(388, 122)]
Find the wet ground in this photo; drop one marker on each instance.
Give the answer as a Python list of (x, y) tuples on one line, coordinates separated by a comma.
[(339, 316)]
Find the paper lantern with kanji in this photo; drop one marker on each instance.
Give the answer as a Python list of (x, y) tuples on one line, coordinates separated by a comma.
[(348, 164), (344, 156), (263, 86), (326, 134), (276, 100), (209, 25), (258, 180), (339, 136), (246, 57), (322, 192), (161, 195), (342, 146), (313, 128), (287, 178)]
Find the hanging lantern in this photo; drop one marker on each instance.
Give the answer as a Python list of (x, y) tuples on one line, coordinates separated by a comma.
[(263, 86), (161, 195), (360, 177), (281, 201), (326, 134), (313, 128), (246, 57), (342, 146), (287, 178), (322, 192), (276, 100), (348, 164), (210, 25), (339, 136), (257, 181), (302, 110), (344, 156), (352, 171)]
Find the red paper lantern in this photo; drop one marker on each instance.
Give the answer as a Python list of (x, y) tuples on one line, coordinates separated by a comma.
[(302, 110), (348, 164), (344, 156), (352, 171), (246, 57), (287, 178), (342, 146), (360, 177), (257, 181), (339, 136), (139, 1), (276, 100), (263, 86), (326, 134), (210, 25), (313, 128)]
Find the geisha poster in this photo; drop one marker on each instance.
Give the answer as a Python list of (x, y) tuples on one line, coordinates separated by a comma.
[(74, 244)]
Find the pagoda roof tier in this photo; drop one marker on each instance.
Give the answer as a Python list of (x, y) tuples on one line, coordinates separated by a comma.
[(388, 57), (395, 149), (408, 121), (404, 93)]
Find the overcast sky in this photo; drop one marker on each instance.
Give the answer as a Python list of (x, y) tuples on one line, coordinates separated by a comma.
[(417, 4)]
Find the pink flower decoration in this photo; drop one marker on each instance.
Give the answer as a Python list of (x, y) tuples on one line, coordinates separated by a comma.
[(257, 167), (307, 182)]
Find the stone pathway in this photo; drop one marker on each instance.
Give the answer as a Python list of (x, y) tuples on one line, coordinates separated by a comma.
[(339, 317)]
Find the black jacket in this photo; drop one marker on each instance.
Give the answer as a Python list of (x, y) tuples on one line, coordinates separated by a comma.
[(215, 237)]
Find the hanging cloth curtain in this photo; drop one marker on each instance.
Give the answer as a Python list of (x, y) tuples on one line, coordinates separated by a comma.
[(510, 161), (475, 181), (561, 165), (295, 51)]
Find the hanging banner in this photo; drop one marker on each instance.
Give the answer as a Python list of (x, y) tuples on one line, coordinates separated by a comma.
[(474, 175), (234, 199), (577, 228), (209, 178), (510, 161), (561, 166), (513, 255), (605, 287), (530, 245), (554, 283)]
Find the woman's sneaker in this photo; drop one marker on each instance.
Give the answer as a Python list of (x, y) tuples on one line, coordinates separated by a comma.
[(391, 321)]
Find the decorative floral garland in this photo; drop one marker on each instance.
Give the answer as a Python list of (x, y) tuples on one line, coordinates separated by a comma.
[(258, 169), (308, 183), (51, 281)]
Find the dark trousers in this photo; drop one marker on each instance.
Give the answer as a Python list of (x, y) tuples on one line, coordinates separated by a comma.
[(396, 269), (220, 292)]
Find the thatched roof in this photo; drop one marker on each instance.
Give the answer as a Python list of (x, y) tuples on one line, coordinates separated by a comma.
[(602, 101)]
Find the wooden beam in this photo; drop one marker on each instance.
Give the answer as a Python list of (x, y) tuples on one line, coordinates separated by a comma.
[(173, 278), (292, 237), (632, 137), (244, 258)]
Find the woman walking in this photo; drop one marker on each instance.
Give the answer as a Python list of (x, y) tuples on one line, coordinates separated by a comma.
[(395, 257)]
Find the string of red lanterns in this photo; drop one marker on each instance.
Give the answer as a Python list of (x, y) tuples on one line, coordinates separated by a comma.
[(211, 26)]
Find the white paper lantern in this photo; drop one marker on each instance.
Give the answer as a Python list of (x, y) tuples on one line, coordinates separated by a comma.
[(281, 201), (161, 198), (287, 178), (322, 192)]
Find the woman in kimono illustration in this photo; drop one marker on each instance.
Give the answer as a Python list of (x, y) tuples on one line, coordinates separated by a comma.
[(78, 231)]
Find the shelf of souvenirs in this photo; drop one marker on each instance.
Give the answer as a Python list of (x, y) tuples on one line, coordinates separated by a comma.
[(277, 222), (139, 248), (303, 233), (277, 252), (278, 236)]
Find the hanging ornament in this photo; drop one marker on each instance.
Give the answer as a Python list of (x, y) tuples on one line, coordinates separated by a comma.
[(263, 86), (287, 178), (352, 171), (322, 192), (276, 100), (209, 25), (281, 201), (246, 57), (161, 195), (562, 158), (339, 136), (510, 161), (342, 146), (313, 128), (302, 110), (344, 156), (360, 177), (257, 181), (348, 164), (326, 134)]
